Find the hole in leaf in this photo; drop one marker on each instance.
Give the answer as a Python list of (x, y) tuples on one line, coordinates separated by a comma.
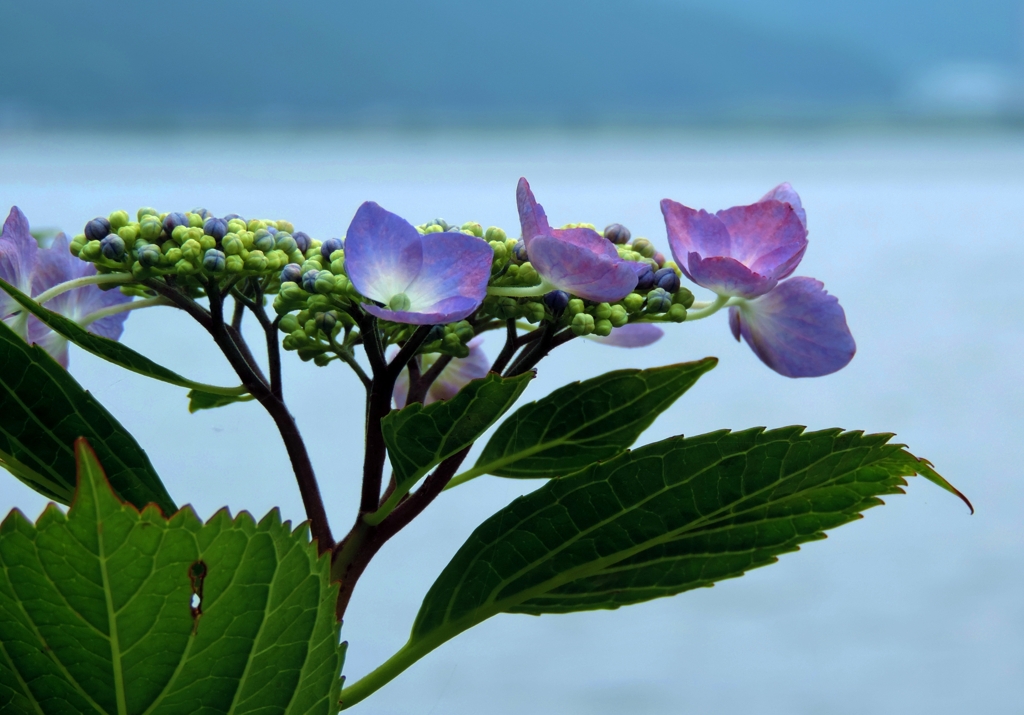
[(195, 601), (196, 574)]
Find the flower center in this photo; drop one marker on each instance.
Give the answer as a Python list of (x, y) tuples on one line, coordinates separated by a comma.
[(400, 302)]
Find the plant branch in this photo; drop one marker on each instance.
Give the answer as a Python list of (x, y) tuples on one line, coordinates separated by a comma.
[(509, 348)]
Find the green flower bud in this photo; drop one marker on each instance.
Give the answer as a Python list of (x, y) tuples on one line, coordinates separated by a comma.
[(236, 225), (507, 308), (677, 313), (464, 330), (191, 250), (619, 316), (582, 324), (493, 233), (434, 228), (659, 301), (149, 256), (399, 302), (603, 311), (322, 359), (207, 242), (248, 240), (337, 267), (576, 306), (603, 328), (255, 224), (179, 234), (292, 291), (310, 265), (184, 268), (310, 328), (256, 261), (234, 264), (528, 275), (118, 219), (76, 247), (288, 324), (128, 234), (150, 228), (644, 247), (195, 234), (314, 249), (232, 244), (90, 251), (295, 340), (633, 302), (533, 312), (146, 211), (285, 226), (285, 243), (342, 285), (500, 252), (325, 284), (276, 260), (683, 297), (139, 271), (195, 220), (474, 228), (171, 256)]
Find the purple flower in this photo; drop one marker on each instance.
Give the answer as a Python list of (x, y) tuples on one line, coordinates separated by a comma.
[(422, 280), (798, 329), (577, 260), (631, 335), (33, 270), (743, 251), (456, 374)]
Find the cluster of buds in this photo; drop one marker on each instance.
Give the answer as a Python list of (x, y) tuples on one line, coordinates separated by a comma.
[(195, 247)]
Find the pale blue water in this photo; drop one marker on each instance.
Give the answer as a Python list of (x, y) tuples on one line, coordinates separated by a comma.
[(919, 608)]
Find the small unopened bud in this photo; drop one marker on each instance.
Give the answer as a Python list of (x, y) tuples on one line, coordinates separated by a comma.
[(520, 251), (118, 219), (256, 261), (128, 234), (184, 268), (179, 234), (191, 250), (195, 220), (214, 260), (324, 283), (285, 243), (528, 275), (602, 312), (493, 233), (146, 211), (677, 313), (91, 251), (603, 328), (399, 302), (326, 322), (633, 302), (76, 246), (645, 281), (263, 240), (232, 244), (97, 229), (617, 233), (644, 247), (285, 226), (291, 273), (150, 228), (112, 247), (508, 308), (659, 258), (576, 306), (533, 312), (582, 324), (149, 256), (474, 228), (207, 242), (301, 240), (292, 292), (619, 316), (215, 227), (236, 225), (309, 280), (172, 255), (330, 246), (667, 280), (658, 301), (683, 297), (202, 213), (288, 324), (556, 301), (173, 220), (234, 264)]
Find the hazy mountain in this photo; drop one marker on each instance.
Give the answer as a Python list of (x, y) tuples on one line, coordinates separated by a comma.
[(112, 62)]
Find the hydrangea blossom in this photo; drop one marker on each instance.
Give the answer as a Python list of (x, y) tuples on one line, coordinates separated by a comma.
[(33, 270), (419, 279), (795, 327), (456, 375), (743, 251), (577, 260)]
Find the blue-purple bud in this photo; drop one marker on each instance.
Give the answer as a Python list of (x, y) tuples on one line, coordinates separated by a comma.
[(519, 251), (233, 216), (291, 273), (216, 227), (202, 212), (309, 281), (658, 301), (263, 240), (556, 301), (173, 220), (112, 247), (666, 279), (149, 255), (97, 229), (301, 240), (617, 233), (214, 260), (272, 230), (645, 280), (330, 246)]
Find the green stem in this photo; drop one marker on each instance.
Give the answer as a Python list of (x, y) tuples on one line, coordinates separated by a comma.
[(101, 279), (386, 672), (521, 291), (703, 310), (464, 477), (120, 308)]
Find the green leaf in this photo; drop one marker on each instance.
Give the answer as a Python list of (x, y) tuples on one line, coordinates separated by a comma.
[(418, 438), (584, 422), (659, 520), (110, 350), (108, 610), (199, 400), (43, 411)]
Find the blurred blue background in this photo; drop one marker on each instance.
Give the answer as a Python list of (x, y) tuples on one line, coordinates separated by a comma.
[(898, 122)]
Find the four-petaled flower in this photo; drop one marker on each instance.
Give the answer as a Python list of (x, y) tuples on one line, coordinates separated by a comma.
[(577, 260), (33, 270), (420, 279), (743, 253)]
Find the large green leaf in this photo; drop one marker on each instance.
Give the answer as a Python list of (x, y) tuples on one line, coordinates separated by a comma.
[(583, 422), (43, 411), (666, 517), (419, 437), (108, 610), (110, 350)]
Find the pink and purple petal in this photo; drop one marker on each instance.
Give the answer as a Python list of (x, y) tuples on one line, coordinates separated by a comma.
[(727, 276), (532, 220), (785, 193), (459, 372), (383, 253), (767, 236), (631, 335), (580, 271), (454, 275), (18, 257), (798, 329)]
